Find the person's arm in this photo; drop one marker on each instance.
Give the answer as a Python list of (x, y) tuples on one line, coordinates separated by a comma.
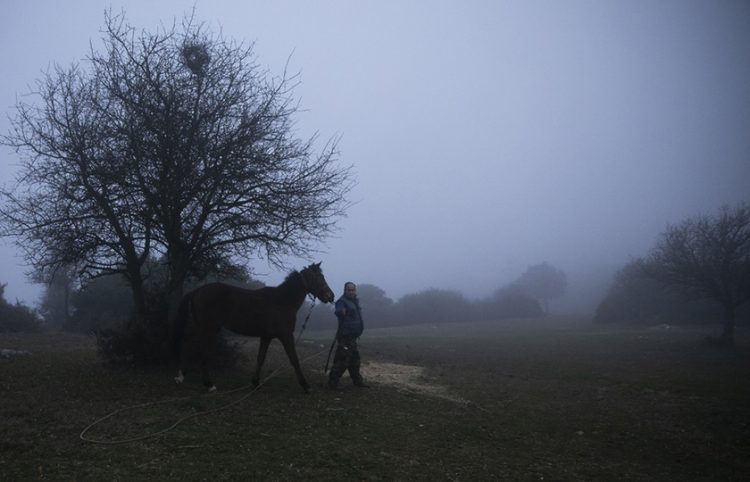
[(340, 310)]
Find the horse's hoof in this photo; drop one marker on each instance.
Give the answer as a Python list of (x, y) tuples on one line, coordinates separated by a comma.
[(212, 389), (179, 378)]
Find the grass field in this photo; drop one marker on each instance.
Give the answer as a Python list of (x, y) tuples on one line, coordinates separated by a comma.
[(549, 399)]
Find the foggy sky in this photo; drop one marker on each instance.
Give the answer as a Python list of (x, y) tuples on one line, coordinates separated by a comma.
[(485, 136)]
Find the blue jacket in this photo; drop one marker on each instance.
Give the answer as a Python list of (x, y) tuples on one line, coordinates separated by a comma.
[(350, 317)]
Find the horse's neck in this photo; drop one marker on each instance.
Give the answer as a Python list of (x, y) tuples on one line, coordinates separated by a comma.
[(293, 288)]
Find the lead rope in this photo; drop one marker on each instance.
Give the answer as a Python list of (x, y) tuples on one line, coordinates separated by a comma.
[(307, 318), (198, 414), (83, 437), (330, 350)]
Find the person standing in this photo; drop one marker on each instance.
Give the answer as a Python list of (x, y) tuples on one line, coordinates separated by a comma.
[(350, 328)]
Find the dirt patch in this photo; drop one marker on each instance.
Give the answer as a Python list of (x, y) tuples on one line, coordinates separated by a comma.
[(407, 378)]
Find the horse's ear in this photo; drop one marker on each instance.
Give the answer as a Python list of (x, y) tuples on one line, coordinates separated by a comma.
[(318, 265)]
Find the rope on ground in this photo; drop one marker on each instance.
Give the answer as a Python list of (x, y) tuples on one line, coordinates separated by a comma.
[(83, 437)]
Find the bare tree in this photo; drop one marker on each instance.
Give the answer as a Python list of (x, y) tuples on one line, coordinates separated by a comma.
[(708, 257), (55, 306), (170, 145), (542, 282)]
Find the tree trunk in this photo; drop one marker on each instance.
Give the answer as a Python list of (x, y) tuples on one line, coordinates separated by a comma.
[(173, 300), (175, 288), (727, 335), (66, 302), (139, 296)]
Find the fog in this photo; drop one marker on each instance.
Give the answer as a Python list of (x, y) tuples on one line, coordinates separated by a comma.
[(486, 136)]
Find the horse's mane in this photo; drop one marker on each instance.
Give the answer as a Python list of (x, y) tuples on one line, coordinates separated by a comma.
[(290, 278), (291, 283)]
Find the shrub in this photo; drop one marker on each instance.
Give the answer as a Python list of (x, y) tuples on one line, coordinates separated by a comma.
[(17, 317), (101, 303), (509, 302), (146, 340)]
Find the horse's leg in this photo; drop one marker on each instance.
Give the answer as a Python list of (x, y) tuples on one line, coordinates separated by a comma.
[(207, 377), (262, 350), (182, 360), (291, 352), (180, 374), (207, 349), (181, 347)]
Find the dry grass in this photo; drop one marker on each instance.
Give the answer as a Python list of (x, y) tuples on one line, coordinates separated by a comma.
[(554, 399)]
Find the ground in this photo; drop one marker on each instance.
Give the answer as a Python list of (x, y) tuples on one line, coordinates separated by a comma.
[(546, 399)]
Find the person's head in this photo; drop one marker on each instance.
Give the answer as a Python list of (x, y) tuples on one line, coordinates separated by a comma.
[(350, 290)]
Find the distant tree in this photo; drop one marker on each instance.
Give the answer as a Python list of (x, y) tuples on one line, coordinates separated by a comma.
[(708, 257), (102, 302), (432, 306), (55, 306), (543, 282), (168, 144), (16, 317), (318, 317), (636, 298), (512, 302), (632, 297), (377, 308)]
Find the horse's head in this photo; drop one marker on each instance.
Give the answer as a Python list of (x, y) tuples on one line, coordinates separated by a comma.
[(316, 283)]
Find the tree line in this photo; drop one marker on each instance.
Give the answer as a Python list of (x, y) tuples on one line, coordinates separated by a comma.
[(697, 272), (526, 297), (432, 306), (105, 302)]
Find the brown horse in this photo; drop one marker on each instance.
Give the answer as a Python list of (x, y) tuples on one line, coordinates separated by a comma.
[(266, 313)]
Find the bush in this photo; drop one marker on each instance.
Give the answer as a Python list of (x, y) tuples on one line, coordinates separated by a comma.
[(377, 308), (517, 305), (17, 317), (432, 306), (377, 311), (509, 302), (136, 342), (428, 306), (102, 303), (146, 340)]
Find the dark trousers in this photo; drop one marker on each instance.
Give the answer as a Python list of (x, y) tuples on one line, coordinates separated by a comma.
[(346, 358)]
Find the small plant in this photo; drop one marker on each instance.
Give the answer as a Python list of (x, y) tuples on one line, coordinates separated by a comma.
[(135, 343)]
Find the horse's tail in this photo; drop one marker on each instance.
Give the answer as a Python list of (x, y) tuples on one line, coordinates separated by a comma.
[(180, 323)]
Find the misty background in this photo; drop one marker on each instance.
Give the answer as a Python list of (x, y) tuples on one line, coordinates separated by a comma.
[(485, 136)]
